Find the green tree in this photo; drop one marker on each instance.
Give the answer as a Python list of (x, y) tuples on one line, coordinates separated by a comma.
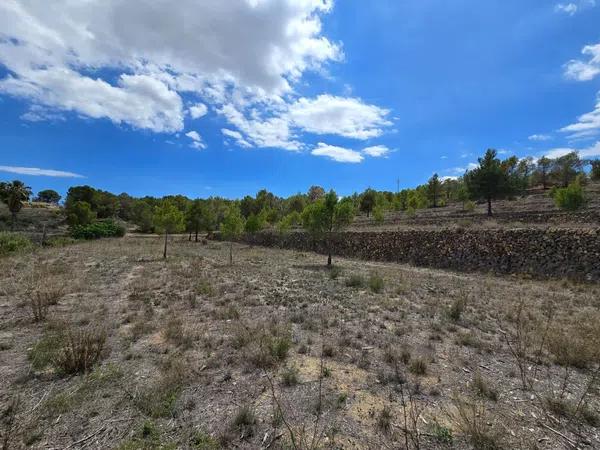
[(488, 181), (254, 224), (193, 216), (232, 228), (290, 220), (570, 198), (80, 213), (325, 216), (168, 219), (14, 195), (378, 214), (434, 189), (367, 201), (544, 167), (566, 168), (48, 196)]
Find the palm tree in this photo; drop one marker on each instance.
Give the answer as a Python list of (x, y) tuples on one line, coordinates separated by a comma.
[(14, 194)]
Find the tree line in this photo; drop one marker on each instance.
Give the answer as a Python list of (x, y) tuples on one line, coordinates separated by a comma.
[(316, 210)]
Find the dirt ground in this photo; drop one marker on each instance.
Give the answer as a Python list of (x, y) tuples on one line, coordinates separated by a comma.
[(277, 351)]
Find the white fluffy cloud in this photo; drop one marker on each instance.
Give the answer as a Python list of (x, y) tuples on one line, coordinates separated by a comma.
[(196, 140), (579, 70), (35, 171), (587, 125), (376, 151), (346, 155), (338, 154), (348, 117), (249, 50), (198, 110)]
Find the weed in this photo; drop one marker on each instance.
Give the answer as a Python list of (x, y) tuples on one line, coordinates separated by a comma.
[(418, 366), (355, 281), (483, 388), (376, 283), (384, 420), (289, 376), (244, 421)]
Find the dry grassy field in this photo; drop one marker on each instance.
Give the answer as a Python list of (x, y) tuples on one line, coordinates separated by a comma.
[(106, 345)]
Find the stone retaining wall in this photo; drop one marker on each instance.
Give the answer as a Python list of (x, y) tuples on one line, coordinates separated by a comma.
[(542, 253)]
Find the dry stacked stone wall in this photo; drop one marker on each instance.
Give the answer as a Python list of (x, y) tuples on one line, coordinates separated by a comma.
[(541, 253)]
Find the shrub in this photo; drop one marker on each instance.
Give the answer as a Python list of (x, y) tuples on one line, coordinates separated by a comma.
[(289, 377), (355, 281), (79, 350), (469, 206), (39, 307), (96, 230), (472, 421), (570, 198), (418, 366), (484, 389), (244, 421), (384, 419), (456, 309), (13, 242), (376, 283)]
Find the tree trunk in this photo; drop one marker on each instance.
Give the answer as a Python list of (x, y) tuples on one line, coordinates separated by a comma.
[(165, 251), (329, 259), (489, 202), (231, 253), (196, 233), (190, 236)]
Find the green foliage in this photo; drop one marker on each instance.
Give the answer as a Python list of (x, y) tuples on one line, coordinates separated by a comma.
[(434, 190), (488, 181), (13, 242), (14, 194), (233, 224), (378, 214), (291, 220), (570, 198), (254, 224), (97, 230), (566, 168), (48, 196), (168, 219), (367, 201), (376, 283), (79, 213)]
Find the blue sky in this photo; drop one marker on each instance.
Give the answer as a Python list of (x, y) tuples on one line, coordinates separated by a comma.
[(226, 98)]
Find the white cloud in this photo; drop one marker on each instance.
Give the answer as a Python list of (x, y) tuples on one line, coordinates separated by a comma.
[(239, 51), (196, 140), (585, 70), (587, 125), (339, 154), (588, 152), (198, 110), (34, 171), (348, 117), (448, 177), (539, 137), (377, 151), (569, 8), (237, 137), (572, 8)]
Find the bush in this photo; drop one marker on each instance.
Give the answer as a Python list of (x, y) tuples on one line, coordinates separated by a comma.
[(96, 230), (469, 206), (376, 283), (80, 350), (13, 242), (355, 281), (570, 198)]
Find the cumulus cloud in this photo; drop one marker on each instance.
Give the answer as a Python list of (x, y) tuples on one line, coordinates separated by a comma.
[(338, 154), (198, 110), (579, 70), (35, 171), (348, 117), (539, 137), (587, 125), (196, 140), (242, 51), (376, 151)]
